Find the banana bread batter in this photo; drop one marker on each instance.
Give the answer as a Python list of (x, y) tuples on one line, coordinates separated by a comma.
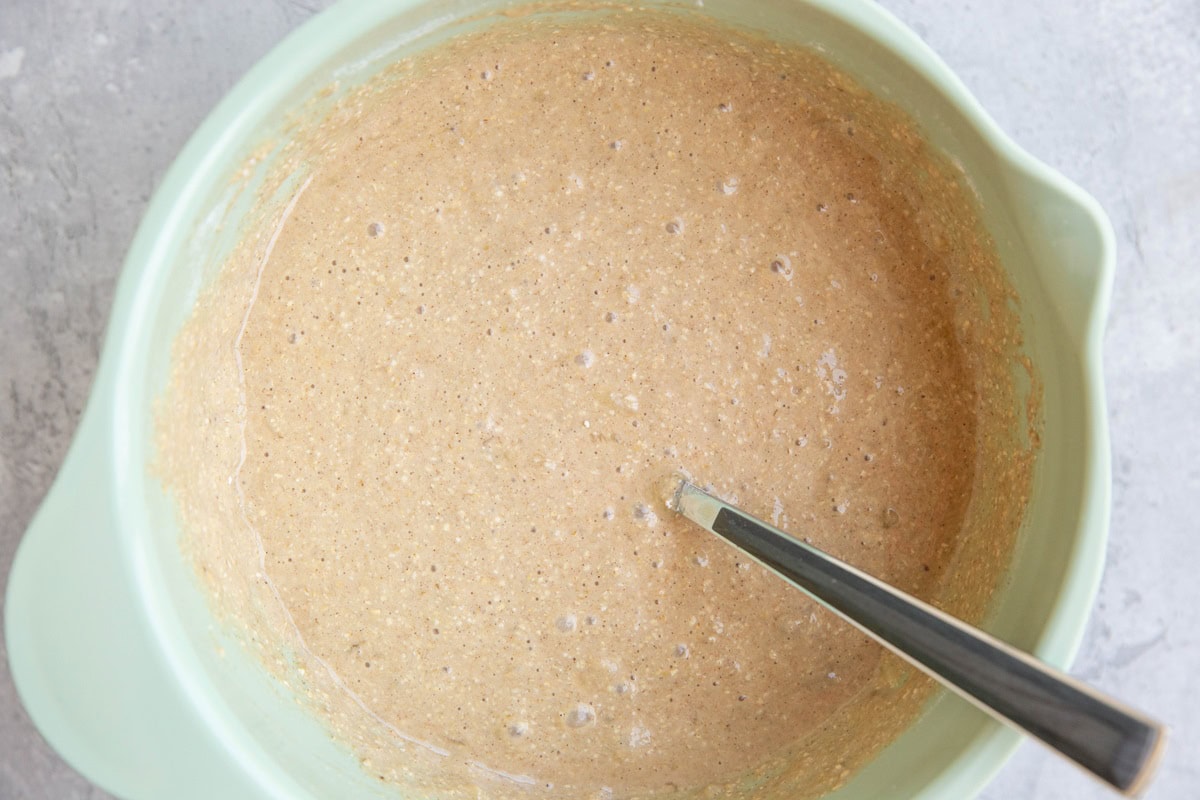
[(419, 422)]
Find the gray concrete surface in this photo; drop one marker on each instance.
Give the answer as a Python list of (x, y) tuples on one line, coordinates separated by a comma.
[(97, 96)]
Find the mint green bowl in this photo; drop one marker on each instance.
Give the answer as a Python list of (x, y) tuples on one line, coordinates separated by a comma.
[(114, 651)]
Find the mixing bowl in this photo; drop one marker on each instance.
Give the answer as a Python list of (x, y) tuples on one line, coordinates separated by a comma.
[(114, 650)]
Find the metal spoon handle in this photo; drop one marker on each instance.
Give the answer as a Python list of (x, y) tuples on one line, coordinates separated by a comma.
[(1115, 743)]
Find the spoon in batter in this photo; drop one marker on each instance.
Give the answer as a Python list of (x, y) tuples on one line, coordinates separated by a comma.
[(1113, 742)]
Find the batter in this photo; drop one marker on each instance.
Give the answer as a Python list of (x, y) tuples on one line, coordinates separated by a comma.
[(419, 422)]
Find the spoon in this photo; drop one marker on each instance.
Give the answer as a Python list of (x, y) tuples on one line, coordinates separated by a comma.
[(1111, 741)]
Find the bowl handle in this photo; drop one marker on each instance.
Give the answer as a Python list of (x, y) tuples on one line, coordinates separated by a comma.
[(83, 657), (1069, 234)]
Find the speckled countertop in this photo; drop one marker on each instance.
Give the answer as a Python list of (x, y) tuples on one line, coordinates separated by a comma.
[(97, 97)]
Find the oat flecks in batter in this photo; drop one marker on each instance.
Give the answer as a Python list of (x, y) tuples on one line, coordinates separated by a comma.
[(530, 275)]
